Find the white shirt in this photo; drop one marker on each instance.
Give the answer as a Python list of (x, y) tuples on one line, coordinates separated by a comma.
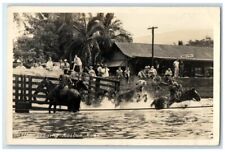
[(49, 64), (105, 72), (176, 64), (92, 73), (77, 61), (154, 72), (99, 69)]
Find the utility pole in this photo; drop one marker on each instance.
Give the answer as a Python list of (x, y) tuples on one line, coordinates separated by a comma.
[(152, 28)]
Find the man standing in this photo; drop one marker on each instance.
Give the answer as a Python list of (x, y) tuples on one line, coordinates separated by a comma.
[(153, 72), (99, 70), (119, 73), (176, 68), (61, 64), (77, 64), (105, 71), (66, 65), (91, 72), (127, 74), (168, 75), (181, 68), (49, 64)]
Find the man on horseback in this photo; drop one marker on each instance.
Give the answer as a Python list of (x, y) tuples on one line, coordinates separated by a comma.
[(175, 91), (65, 83), (65, 80)]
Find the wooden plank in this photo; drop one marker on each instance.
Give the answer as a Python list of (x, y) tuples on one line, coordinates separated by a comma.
[(41, 96), (40, 102), (117, 86), (27, 93), (30, 89), (24, 97), (46, 109), (43, 109), (21, 97), (41, 77), (97, 86), (34, 83), (107, 85), (90, 88), (16, 88), (106, 79)]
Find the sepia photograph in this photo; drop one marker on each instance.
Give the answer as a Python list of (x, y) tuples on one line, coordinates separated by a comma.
[(113, 75)]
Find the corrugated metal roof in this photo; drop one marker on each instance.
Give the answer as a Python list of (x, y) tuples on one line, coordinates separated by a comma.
[(115, 63), (166, 51)]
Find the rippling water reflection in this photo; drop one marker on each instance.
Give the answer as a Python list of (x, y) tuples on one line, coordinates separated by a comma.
[(143, 124)]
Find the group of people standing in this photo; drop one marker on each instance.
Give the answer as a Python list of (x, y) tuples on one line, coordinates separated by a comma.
[(51, 66), (78, 69), (147, 72), (65, 65), (103, 71), (178, 68), (123, 74)]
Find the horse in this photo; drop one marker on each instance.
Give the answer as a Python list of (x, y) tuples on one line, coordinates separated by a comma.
[(190, 95), (45, 86), (135, 93), (164, 102), (79, 85), (58, 94), (66, 97)]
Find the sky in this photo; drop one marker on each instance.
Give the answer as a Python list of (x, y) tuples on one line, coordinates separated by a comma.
[(174, 23)]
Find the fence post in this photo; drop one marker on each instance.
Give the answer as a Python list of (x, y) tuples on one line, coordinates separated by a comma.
[(22, 106), (89, 90), (97, 86), (117, 88), (30, 91), (16, 88)]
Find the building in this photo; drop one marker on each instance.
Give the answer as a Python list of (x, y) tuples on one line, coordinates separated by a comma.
[(197, 61)]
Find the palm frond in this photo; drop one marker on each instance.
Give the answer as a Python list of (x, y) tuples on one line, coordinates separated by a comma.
[(108, 19), (96, 27), (123, 37)]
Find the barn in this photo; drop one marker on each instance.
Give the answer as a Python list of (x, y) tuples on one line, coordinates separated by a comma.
[(197, 61)]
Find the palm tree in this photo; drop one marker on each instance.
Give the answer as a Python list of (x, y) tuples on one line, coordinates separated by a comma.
[(92, 35), (111, 31), (85, 35)]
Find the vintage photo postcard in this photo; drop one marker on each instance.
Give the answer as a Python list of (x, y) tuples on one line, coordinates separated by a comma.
[(113, 75)]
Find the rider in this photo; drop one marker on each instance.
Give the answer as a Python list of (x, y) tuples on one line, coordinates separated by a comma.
[(175, 91), (65, 80)]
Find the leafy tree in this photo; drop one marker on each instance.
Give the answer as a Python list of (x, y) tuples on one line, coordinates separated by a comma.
[(46, 34), (207, 42), (62, 35)]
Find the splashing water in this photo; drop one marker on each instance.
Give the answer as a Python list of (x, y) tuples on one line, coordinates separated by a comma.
[(106, 103)]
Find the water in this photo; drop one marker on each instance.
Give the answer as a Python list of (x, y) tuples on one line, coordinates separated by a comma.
[(189, 123)]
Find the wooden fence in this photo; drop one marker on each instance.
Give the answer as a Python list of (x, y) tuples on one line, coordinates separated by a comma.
[(24, 87), (99, 85)]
